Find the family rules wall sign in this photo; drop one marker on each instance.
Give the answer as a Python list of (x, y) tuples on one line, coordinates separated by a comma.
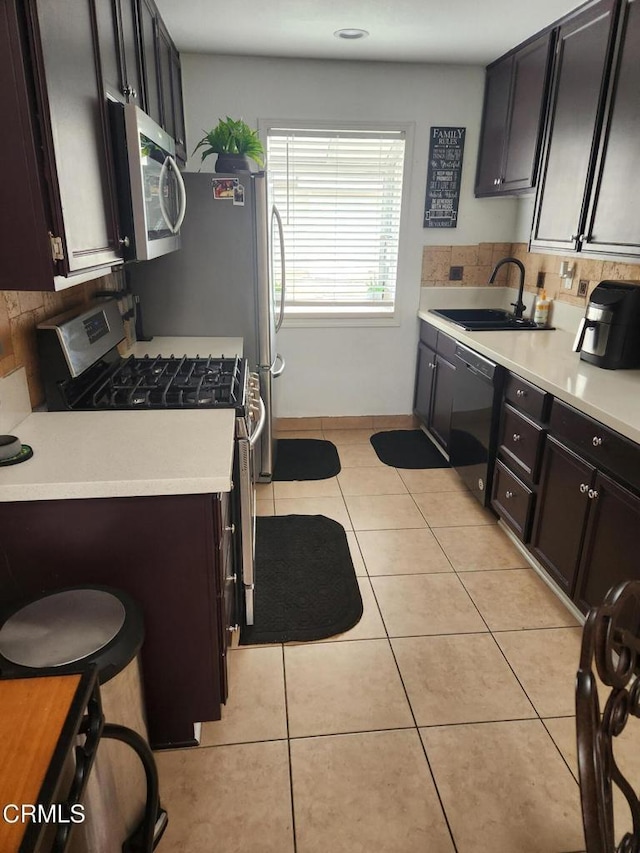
[(446, 149)]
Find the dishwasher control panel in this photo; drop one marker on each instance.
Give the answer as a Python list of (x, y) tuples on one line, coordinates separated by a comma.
[(476, 362)]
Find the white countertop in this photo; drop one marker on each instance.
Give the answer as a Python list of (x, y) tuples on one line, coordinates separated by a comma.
[(546, 359), (123, 453), (191, 347)]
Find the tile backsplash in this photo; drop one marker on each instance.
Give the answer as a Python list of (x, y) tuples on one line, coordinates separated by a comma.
[(439, 264), (20, 313)]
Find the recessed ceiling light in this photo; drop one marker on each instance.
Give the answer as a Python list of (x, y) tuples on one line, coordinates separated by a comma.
[(351, 33)]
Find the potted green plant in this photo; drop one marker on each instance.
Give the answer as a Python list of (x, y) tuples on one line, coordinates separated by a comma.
[(235, 143)]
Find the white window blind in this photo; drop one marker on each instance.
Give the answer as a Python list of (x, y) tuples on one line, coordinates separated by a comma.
[(339, 193)]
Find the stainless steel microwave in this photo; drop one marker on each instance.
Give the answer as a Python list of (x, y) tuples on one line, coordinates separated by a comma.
[(151, 195)]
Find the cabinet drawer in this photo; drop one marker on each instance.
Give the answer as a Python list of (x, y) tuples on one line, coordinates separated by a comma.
[(527, 397), (521, 440), (428, 334), (601, 445), (446, 346), (512, 500)]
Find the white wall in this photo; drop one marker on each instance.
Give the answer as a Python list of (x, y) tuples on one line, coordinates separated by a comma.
[(356, 370), (524, 218)]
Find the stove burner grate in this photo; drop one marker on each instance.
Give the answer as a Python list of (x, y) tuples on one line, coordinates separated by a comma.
[(171, 383)]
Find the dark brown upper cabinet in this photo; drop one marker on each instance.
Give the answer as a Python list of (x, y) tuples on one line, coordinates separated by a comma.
[(613, 223), (171, 89), (117, 27), (148, 18), (59, 214), (59, 62), (162, 76), (513, 119), (582, 65)]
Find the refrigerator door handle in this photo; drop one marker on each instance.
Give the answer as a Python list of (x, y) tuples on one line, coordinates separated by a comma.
[(280, 370), (275, 214)]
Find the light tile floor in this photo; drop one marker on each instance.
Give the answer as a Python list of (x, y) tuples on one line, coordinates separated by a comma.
[(441, 722)]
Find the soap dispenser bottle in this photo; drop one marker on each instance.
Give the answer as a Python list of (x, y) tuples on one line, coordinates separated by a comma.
[(541, 314)]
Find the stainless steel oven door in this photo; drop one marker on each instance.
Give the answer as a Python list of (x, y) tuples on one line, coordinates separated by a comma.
[(248, 431)]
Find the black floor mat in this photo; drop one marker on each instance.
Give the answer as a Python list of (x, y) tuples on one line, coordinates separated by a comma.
[(305, 584), (407, 448), (305, 459)]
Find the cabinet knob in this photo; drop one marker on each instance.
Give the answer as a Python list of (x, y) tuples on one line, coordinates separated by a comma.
[(521, 393), (233, 578), (124, 241), (508, 494), (496, 181), (231, 528), (432, 365), (593, 494), (233, 628), (516, 436), (596, 441), (584, 487)]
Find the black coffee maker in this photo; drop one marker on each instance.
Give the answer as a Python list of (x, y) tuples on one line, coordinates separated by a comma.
[(609, 333)]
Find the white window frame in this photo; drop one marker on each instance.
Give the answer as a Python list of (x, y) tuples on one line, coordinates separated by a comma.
[(353, 318)]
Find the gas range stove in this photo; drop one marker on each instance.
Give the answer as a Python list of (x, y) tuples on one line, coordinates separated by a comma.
[(168, 383), (83, 371)]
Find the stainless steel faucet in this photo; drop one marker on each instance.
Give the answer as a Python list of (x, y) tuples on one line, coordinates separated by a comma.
[(519, 306)]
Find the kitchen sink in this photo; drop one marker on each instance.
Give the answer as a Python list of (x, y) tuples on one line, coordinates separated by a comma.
[(485, 319)]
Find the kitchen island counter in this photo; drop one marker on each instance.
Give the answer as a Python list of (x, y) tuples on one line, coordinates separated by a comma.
[(546, 359), (122, 454), (105, 454)]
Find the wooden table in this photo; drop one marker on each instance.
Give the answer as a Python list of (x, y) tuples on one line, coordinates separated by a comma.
[(40, 719)]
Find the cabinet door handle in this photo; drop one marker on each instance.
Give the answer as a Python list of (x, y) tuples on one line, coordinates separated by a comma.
[(584, 487), (508, 494), (593, 494), (521, 393), (596, 441), (516, 436)]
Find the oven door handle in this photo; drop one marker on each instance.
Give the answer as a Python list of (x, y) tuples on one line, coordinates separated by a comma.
[(262, 420)]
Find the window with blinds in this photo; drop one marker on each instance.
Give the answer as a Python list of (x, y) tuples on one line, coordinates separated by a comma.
[(339, 193)]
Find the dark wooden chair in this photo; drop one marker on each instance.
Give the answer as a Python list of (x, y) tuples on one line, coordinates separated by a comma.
[(610, 647)]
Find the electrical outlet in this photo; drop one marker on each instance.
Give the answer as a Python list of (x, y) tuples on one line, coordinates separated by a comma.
[(455, 273), (583, 286), (540, 280)]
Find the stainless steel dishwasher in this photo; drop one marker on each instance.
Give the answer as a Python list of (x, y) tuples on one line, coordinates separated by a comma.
[(474, 420)]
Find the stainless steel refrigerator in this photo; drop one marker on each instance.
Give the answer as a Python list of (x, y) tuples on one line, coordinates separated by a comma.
[(221, 282)]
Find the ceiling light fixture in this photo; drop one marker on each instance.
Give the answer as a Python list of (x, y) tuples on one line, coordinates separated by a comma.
[(351, 33)]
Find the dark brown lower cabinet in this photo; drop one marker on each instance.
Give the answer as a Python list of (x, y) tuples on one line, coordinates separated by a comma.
[(433, 399), (424, 382), (168, 552), (563, 502), (612, 542), (585, 531)]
